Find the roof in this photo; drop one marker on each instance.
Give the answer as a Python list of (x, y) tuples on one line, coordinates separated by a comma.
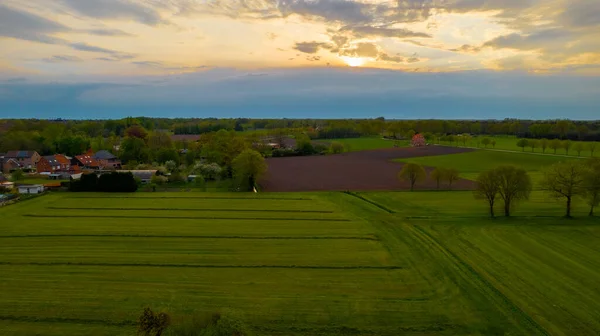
[(52, 160), (62, 159), (143, 174), (31, 186), (104, 155), (185, 137), (20, 154), (87, 160)]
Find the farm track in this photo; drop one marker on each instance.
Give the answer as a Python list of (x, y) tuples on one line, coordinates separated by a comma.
[(356, 171)]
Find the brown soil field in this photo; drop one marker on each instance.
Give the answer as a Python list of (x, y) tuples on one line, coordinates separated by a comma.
[(357, 171)]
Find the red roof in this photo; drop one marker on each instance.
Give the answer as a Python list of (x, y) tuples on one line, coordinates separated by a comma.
[(62, 159), (88, 160)]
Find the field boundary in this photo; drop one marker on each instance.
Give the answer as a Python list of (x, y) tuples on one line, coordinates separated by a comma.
[(193, 209), (196, 197), (511, 305), (51, 264), (523, 152), (205, 217), (198, 237), (66, 320), (382, 207)]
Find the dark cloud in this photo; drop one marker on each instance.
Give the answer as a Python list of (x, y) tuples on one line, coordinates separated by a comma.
[(62, 58), (309, 47), (90, 48), (363, 49), (537, 40), (25, 26), (106, 32), (466, 48), (582, 13), (148, 63), (115, 9)]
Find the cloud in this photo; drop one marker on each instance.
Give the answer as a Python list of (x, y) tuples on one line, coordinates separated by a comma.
[(106, 32), (582, 13), (62, 58), (90, 48), (26, 26), (363, 49), (115, 9), (369, 31), (309, 47)]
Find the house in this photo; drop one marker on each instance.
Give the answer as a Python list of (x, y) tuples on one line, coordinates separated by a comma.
[(48, 164), (9, 165), (27, 160), (64, 161), (85, 161), (31, 189), (107, 160), (144, 175)]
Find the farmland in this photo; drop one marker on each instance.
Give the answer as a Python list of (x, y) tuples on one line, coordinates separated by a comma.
[(372, 263), (369, 143)]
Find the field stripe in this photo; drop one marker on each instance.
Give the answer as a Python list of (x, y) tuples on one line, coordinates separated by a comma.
[(194, 237), (425, 236), (194, 209), (369, 201), (66, 320), (51, 264), (204, 217), (193, 197)]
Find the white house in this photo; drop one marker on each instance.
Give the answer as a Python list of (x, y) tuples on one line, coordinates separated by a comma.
[(31, 189)]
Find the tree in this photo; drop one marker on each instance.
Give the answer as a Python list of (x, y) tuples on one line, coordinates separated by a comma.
[(304, 146), (544, 144), (592, 184), (566, 144), (555, 144), (153, 324), (565, 180), (134, 149), (17, 175), (452, 175), (582, 130), (514, 184), (522, 143), (438, 174), (248, 168), (336, 147), (485, 142), (592, 147), (487, 188), (562, 127), (137, 131), (159, 140), (578, 147), (412, 173), (465, 138), (533, 144), (493, 143)]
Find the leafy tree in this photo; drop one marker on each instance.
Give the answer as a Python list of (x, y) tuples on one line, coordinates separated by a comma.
[(544, 144), (153, 324), (487, 188), (136, 131), (412, 173), (562, 127), (171, 166), (533, 144), (304, 146), (514, 184), (486, 142), (336, 147), (167, 154), (555, 144), (523, 143), (248, 168), (493, 143), (159, 140), (17, 175), (452, 175), (565, 180), (465, 138), (438, 174), (566, 144), (134, 149), (210, 171), (578, 147), (592, 184), (582, 130), (159, 179), (592, 147)]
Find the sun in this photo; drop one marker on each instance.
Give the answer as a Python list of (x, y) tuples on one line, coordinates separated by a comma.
[(354, 61)]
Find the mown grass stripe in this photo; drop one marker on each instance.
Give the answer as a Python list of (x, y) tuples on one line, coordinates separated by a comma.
[(36, 319), (194, 209), (192, 237), (195, 197), (369, 201), (4, 263), (204, 217)]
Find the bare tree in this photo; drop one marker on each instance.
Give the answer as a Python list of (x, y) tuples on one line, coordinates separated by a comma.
[(565, 179), (412, 173), (592, 184), (487, 188), (514, 184), (566, 144), (438, 174), (578, 147)]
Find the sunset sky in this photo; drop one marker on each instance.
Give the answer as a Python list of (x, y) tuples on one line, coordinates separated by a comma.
[(235, 58)]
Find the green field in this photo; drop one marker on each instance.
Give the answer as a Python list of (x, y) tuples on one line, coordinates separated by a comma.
[(361, 144), (394, 263), (472, 163), (510, 143)]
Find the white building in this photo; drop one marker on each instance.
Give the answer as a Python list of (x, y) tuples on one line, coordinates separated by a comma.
[(31, 189)]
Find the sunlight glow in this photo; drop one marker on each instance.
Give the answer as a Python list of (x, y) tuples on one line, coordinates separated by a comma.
[(354, 61)]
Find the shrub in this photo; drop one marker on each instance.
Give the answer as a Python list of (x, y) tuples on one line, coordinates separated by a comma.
[(336, 148), (215, 324), (210, 171), (159, 180), (153, 324), (117, 182)]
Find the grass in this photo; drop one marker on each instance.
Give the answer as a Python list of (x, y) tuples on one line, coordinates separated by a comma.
[(369, 143), (472, 163), (422, 263)]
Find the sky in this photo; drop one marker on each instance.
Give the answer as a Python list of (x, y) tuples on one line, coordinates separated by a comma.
[(402, 59)]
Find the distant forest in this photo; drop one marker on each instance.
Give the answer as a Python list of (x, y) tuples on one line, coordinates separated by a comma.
[(75, 136)]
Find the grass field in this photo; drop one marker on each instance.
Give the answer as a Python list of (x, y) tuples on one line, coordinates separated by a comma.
[(510, 143), (472, 163), (394, 263), (361, 144)]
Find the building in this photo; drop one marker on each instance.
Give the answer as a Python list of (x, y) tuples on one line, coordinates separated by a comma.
[(64, 161), (31, 189), (48, 164), (26, 160), (9, 165), (107, 160), (85, 162)]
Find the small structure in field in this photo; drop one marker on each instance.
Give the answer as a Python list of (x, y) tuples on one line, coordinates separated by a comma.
[(31, 189), (418, 141)]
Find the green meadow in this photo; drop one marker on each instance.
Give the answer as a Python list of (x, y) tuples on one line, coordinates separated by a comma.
[(385, 263), (510, 143), (369, 143)]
